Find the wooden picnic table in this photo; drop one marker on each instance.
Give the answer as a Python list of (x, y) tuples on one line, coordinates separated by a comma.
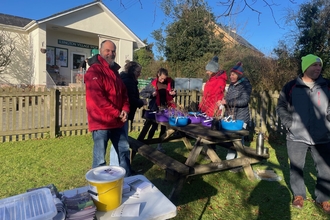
[(204, 137)]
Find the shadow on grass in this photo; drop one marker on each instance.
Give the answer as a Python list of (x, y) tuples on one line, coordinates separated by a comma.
[(278, 143), (177, 151), (270, 194)]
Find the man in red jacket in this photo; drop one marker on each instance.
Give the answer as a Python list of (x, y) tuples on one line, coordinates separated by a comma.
[(107, 106)]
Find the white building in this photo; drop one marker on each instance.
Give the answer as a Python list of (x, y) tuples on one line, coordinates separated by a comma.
[(48, 51)]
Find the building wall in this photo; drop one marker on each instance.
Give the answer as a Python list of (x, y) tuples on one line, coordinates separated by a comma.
[(20, 69), (53, 38), (38, 41), (94, 20), (87, 26)]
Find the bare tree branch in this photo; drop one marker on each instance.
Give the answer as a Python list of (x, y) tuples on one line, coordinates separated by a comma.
[(7, 47)]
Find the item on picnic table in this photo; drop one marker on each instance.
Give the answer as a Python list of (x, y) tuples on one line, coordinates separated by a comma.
[(206, 121), (194, 117), (260, 148), (148, 114), (179, 121), (162, 116), (230, 124)]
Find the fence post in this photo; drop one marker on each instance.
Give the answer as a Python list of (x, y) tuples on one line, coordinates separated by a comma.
[(54, 106), (193, 96)]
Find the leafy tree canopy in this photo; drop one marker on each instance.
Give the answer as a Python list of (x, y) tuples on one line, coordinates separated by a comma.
[(313, 24)]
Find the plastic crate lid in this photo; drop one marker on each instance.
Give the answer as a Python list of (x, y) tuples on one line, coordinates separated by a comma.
[(34, 205)]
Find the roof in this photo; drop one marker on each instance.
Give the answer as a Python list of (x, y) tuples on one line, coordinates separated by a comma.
[(68, 11), (239, 39), (14, 20)]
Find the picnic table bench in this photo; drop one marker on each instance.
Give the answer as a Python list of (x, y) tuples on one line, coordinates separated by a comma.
[(204, 137)]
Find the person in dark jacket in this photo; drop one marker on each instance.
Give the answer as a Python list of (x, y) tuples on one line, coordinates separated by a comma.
[(304, 110), (107, 106), (130, 77), (237, 99), (160, 92)]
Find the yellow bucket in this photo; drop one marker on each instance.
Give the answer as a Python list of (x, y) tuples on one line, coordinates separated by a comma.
[(106, 186)]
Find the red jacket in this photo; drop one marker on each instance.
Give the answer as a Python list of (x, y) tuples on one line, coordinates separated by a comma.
[(169, 98), (214, 90), (106, 95)]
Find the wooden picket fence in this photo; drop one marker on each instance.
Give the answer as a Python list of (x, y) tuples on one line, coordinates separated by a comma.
[(40, 113)]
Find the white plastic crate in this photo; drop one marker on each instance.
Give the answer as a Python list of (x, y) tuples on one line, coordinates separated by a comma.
[(34, 205)]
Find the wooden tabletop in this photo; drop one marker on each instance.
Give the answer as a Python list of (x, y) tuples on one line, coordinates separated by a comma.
[(217, 136)]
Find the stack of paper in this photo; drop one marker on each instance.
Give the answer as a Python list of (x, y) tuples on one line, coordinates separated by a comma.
[(79, 206), (139, 185)]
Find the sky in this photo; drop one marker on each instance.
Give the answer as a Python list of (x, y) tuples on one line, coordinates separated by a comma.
[(144, 16)]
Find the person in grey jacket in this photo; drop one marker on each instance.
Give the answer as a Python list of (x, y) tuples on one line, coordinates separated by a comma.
[(303, 107), (237, 101)]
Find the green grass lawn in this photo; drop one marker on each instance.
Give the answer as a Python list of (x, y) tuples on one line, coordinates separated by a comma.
[(224, 195)]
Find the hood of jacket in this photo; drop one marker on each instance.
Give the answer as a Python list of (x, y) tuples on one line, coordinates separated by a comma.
[(95, 60), (127, 76)]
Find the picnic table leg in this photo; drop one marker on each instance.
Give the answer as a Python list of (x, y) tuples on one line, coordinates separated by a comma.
[(178, 185), (194, 153), (187, 143), (212, 154), (246, 164), (142, 135), (145, 130), (248, 171), (167, 134)]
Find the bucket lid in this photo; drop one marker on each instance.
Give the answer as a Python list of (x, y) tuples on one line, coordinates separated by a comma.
[(105, 174)]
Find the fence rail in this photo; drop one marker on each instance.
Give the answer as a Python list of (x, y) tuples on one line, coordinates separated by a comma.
[(40, 113)]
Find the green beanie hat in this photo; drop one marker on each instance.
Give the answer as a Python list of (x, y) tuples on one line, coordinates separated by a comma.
[(308, 60)]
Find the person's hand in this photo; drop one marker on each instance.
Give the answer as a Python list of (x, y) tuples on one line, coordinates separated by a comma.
[(223, 102), (172, 92), (123, 115), (154, 93), (144, 102)]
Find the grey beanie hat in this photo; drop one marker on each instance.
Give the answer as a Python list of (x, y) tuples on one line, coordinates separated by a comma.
[(213, 65)]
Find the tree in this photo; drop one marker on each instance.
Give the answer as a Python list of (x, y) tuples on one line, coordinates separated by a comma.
[(160, 42), (192, 35), (313, 24), (189, 38), (7, 47), (144, 55)]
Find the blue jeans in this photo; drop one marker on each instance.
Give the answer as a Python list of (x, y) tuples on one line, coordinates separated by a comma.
[(114, 160), (118, 137), (320, 154)]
